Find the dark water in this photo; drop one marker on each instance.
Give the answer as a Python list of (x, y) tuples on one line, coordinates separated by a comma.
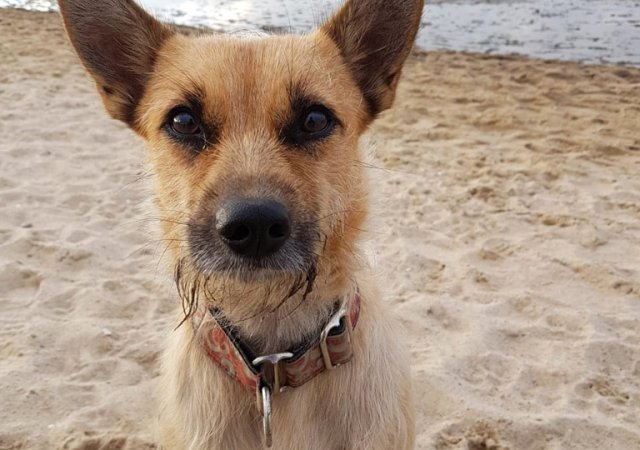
[(594, 31)]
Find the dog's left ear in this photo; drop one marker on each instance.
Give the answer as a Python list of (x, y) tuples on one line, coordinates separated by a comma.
[(375, 37)]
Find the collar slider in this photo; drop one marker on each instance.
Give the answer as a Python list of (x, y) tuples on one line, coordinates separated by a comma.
[(338, 320)]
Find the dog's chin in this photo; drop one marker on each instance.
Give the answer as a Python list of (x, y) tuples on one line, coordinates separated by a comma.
[(260, 285), (280, 266)]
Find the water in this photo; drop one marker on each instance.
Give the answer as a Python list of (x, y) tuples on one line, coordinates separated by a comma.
[(594, 31)]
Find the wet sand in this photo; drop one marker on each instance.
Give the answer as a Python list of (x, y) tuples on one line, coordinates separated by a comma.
[(506, 228)]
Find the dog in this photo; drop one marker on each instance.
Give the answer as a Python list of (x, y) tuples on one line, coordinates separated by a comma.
[(254, 144)]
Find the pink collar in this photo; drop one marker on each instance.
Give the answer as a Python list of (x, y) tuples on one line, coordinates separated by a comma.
[(331, 348)]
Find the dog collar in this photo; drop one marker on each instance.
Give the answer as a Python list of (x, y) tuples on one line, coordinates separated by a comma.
[(280, 371), (277, 372)]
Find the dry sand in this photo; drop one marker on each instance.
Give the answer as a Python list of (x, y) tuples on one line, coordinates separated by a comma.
[(508, 239)]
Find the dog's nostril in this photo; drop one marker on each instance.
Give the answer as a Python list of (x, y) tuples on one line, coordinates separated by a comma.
[(239, 233), (278, 231)]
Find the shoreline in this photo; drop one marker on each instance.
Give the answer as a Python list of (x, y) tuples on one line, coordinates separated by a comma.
[(416, 52), (484, 27)]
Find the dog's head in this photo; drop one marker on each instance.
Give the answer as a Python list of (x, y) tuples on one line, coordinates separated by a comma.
[(254, 141)]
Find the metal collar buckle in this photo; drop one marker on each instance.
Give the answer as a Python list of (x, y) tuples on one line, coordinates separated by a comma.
[(269, 372), (269, 382), (334, 322)]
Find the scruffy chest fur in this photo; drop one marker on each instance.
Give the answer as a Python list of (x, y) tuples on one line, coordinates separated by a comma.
[(269, 125)]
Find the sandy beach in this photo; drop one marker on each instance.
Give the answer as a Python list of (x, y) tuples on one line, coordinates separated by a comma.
[(505, 229)]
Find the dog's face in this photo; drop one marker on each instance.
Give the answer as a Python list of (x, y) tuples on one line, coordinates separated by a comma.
[(254, 141), (254, 151)]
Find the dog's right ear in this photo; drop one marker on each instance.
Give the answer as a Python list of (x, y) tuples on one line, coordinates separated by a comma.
[(117, 42)]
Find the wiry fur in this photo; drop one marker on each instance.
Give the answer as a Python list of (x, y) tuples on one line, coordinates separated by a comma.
[(246, 91)]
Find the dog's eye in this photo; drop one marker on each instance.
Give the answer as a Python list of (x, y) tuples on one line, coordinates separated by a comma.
[(315, 121), (310, 125), (184, 126), (184, 123)]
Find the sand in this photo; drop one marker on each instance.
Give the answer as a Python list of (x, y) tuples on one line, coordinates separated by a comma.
[(506, 232)]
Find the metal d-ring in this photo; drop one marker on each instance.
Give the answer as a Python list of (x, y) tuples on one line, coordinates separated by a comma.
[(265, 393)]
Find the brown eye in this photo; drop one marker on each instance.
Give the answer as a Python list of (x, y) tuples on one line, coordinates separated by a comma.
[(310, 124), (184, 123), (315, 121)]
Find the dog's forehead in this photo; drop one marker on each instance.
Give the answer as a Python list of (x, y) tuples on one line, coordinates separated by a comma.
[(250, 81), (256, 67)]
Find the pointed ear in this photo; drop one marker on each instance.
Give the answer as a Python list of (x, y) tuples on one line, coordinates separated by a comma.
[(117, 42), (375, 37)]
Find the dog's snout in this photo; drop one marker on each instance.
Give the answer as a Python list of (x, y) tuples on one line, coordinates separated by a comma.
[(253, 227)]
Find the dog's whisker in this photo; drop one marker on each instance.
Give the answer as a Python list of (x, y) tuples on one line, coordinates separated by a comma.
[(163, 220), (367, 165), (144, 176)]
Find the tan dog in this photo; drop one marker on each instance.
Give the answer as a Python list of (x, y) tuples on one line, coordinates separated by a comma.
[(254, 144)]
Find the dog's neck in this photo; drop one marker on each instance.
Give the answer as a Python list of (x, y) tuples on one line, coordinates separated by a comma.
[(270, 322)]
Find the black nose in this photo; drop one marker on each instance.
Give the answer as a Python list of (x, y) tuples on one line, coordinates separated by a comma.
[(253, 227)]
